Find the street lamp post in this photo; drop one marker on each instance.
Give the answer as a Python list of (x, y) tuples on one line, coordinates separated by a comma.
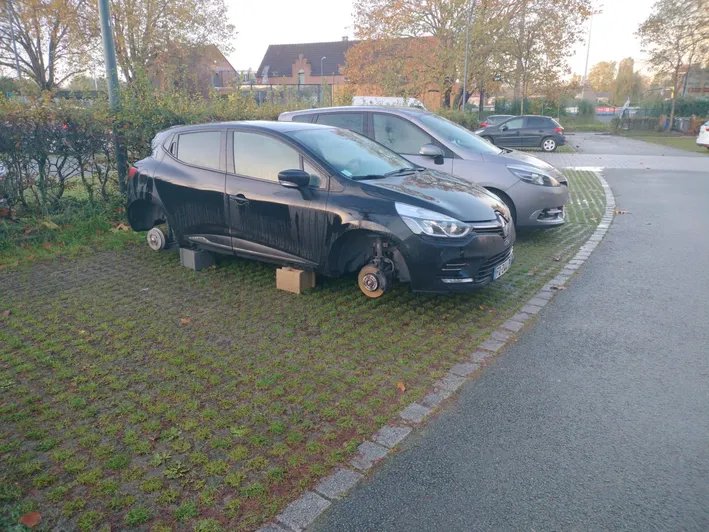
[(465, 69), (322, 80), (109, 54)]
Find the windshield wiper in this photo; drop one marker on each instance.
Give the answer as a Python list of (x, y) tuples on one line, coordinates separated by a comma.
[(369, 176), (404, 171)]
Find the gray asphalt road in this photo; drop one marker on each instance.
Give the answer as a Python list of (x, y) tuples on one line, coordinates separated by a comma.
[(598, 417), (595, 143)]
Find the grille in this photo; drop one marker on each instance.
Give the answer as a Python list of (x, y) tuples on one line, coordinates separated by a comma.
[(489, 231), (486, 269)]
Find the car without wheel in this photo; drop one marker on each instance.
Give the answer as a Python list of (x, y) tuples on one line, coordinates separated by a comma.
[(320, 199), (525, 132), (534, 191)]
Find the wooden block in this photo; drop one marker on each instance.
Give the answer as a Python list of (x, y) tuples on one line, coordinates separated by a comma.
[(292, 280)]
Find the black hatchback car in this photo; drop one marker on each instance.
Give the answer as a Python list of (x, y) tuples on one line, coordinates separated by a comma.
[(525, 132), (321, 199)]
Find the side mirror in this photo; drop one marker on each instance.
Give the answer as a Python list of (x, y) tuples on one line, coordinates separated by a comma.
[(504, 128), (294, 178), (433, 151)]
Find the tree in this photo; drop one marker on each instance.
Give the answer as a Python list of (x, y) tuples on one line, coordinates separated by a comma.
[(624, 82), (546, 31), (52, 37), (676, 33), (602, 76), (148, 32)]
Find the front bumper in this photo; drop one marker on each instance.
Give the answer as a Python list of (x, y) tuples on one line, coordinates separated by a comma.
[(439, 266), (539, 206)]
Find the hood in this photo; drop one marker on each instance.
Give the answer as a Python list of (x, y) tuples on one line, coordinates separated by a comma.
[(438, 192), (514, 156)]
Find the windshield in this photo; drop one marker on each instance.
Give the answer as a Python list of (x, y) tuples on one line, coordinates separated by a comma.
[(446, 130), (349, 153)]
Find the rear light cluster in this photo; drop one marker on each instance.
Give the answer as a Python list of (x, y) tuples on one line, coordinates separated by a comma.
[(484, 124), (132, 171), (559, 129)]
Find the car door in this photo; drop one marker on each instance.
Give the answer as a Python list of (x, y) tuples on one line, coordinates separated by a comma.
[(190, 183), (266, 219), (535, 128), (509, 133), (407, 139)]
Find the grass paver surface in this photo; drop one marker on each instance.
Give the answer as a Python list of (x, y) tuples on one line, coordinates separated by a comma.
[(135, 393)]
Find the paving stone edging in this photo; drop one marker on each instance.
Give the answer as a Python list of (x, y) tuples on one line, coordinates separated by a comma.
[(299, 514)]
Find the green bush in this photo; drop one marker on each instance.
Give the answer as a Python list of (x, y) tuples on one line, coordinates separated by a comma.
[(466, 119)]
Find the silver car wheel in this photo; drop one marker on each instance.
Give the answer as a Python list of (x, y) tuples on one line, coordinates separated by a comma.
[(549, 145)]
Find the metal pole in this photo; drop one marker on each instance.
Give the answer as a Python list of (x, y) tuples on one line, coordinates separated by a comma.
[(465, 68), (11, 16), (109, 54), (588, 52)]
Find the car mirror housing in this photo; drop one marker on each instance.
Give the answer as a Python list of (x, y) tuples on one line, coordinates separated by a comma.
[(294, 178), (433, 151), (504, 128)]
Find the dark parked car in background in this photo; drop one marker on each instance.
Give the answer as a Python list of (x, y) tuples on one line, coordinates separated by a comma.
[(321, 199), (525, 132), (494, 119)]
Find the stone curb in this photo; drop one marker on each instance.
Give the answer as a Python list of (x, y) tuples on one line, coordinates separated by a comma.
[(299, 514)]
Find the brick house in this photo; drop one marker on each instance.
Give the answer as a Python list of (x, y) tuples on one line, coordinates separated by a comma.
[(299, 64)]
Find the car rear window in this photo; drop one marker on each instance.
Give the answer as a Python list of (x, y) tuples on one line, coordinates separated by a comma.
[(538, 121), (200, 149), (303, 118), (352, 121)]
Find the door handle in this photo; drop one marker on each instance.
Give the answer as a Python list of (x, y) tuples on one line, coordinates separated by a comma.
[(240, 199)]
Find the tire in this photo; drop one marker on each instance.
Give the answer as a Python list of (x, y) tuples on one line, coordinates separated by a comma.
[(373, 282), (548, 144), (157, 240), (489, 139)]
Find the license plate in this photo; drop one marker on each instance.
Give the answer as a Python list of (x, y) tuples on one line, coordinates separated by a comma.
[(501, 269)]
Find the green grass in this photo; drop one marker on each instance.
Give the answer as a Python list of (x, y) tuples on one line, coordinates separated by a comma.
[(687, 143), (115, 412)]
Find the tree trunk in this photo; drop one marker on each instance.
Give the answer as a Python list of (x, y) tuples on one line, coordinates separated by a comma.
[(675, 82)]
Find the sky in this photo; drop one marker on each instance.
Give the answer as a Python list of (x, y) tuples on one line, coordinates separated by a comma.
[(288, 21)]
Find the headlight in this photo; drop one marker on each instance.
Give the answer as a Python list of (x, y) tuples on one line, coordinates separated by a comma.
[(536, 177), (423, 221)]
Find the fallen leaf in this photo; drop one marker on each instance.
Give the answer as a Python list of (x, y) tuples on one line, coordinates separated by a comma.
[(49, 225), (533, 271), (46, 245), (482, 307), (121, 227), (185, 321), (401, 386), (555, 287), (5, 313), (31, 519), (31, 257), (622, 212), (557, 259), (212, 267)]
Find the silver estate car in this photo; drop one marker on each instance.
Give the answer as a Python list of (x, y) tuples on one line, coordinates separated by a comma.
[(534, 191)]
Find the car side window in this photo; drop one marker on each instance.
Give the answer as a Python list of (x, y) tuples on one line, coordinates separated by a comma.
[(200, 149), (303, 118), (352, 121), (398, 134), (537, 122), (316, 178), (515, 123), (262, 157)]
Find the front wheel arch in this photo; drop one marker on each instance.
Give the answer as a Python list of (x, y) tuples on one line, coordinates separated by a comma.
[(507, 201), (355, 249)]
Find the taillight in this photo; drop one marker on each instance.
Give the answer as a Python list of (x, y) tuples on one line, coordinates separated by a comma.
[(559, 130), (485, 124), (132, 171)]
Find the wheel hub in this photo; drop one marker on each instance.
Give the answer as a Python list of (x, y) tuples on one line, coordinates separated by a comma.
[(370, 282)]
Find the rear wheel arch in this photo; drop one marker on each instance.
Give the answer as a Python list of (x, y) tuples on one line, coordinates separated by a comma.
[(143, 215)]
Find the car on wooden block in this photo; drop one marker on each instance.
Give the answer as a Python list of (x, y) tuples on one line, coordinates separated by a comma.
[(319, 199)]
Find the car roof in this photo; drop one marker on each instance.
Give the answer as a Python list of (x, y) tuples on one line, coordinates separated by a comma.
[(394, 109), (261, 125)]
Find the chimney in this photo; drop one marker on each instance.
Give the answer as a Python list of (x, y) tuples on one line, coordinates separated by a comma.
[(345, 38)]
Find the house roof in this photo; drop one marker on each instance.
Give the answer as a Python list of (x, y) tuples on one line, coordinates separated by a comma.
[(279, 58)]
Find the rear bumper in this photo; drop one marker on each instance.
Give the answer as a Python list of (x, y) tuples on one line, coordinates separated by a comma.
[(443, 267)]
